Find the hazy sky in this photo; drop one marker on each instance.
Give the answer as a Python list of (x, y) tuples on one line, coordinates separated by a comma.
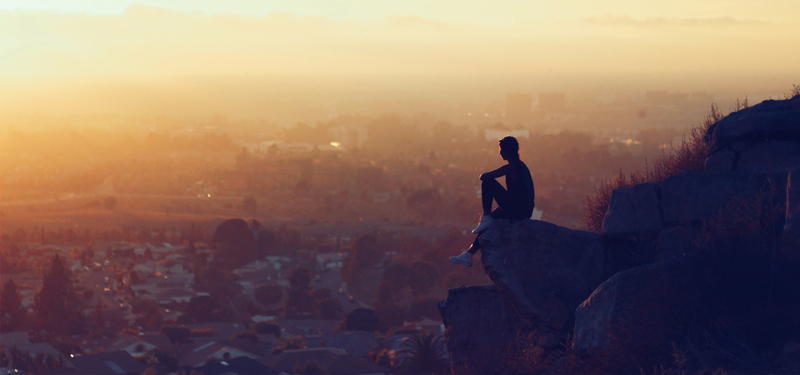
[(46, 38)]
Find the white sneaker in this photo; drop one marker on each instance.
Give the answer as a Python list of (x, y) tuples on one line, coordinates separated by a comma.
[(486, 220), (465, 259)]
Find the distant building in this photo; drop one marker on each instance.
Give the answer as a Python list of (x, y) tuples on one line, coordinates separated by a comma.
[(519, 106), (552, 103), (221, 351), (139, 346), (241, 365), (107, 363), (348, 136), (330, 260)]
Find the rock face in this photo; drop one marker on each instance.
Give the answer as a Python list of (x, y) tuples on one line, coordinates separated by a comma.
[(628, 286), (752, 153), (635, 305), (634, 210), (764, 136), (543, 270), (479, 327), (696, 196)]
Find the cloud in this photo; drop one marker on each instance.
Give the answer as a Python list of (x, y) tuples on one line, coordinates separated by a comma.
[(626, 20), (146, 40)]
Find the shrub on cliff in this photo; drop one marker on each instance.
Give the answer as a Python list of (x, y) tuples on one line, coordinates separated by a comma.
[(690, 155)]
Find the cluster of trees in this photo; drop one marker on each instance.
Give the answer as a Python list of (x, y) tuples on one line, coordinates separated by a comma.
[(302, 303), (238, 243), (57, 309), (12, 315), (31, 364)]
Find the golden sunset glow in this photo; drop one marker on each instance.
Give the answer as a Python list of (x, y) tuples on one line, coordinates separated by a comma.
[(362, 37)]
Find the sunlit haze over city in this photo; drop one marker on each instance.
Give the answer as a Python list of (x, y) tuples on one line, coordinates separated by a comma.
[(186, 183)]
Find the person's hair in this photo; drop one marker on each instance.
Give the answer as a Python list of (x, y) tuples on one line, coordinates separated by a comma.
[(510, 145)]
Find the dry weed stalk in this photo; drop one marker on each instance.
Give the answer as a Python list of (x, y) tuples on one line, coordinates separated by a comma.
[(690, 155)]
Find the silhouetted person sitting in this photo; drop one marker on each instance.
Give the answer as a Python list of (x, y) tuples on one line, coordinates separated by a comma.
[(516, 203)]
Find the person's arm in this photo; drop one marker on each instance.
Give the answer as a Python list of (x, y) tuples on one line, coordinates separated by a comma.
[(499, 172)]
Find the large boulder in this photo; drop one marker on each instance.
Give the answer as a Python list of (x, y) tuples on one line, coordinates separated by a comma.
[(479, 327), (544, 271), (639, 309), (693, 197), (767, 156), (768, 120), (634, 210), (760, 138)]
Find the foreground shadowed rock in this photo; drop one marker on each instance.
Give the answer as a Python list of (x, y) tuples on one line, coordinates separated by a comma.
[(479, 327), (699, 272), (542, 272)]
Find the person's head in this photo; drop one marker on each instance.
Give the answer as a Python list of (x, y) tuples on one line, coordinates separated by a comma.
[(509, 148)]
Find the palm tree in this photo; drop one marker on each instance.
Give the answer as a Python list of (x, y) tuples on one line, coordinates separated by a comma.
[(424, 353)]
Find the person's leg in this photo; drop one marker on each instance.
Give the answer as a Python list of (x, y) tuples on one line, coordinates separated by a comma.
[(491, 190), (476, 245), (465, 259)]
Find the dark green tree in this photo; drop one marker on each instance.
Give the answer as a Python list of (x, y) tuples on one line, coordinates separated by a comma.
[(166, 360), (99, 317), (363, 255), (57, 306), (219, 283), (299, 301), (30, 363), (238, 243), (205, 309), (268, 294), (176, 332), (12, 314)]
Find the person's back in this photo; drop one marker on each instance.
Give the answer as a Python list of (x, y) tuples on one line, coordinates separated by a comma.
[(521, 191)]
